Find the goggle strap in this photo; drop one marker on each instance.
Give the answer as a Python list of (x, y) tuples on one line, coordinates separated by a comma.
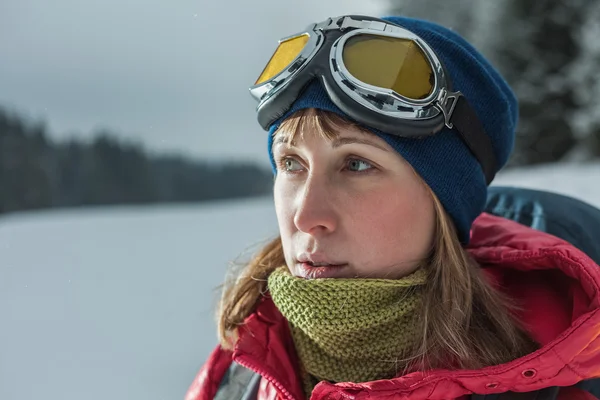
[(473, 134)]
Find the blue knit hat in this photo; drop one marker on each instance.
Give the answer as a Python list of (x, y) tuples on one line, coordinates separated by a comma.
[(443, 160)]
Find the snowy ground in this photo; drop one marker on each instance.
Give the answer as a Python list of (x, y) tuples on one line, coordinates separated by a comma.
[(116, 303)]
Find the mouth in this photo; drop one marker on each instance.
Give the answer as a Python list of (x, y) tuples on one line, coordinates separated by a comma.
[(319, 270)]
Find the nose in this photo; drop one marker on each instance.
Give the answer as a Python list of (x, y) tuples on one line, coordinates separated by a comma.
[(315, 212)]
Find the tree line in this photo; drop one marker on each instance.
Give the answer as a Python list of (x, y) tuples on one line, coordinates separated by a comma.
[(36, 172)]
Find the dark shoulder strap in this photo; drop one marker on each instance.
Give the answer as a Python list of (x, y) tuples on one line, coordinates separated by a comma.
[(238, 383), (550, 393), (591, 386)]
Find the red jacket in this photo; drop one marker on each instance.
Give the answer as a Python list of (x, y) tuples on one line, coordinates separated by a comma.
[(558, 286)]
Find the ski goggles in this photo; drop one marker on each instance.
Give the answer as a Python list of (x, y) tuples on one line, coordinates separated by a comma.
[(379, 74)]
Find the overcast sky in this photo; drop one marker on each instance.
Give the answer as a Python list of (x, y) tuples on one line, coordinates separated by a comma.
[(173, 75)]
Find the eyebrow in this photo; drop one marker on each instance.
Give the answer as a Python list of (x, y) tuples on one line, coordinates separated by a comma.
[(282, 139), (340, 141)]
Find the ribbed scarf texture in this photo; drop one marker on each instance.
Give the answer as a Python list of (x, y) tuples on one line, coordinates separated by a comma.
[(349, 330)]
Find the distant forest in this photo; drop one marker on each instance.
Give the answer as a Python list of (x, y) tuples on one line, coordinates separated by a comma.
[(37, 173)]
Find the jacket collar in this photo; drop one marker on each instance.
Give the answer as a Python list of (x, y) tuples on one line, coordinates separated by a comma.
[(557, 285)]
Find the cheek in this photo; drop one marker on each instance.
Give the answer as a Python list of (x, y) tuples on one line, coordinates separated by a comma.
[(283, 201), (394, 226)]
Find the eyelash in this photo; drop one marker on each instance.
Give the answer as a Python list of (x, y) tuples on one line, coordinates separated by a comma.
[(280, 162)]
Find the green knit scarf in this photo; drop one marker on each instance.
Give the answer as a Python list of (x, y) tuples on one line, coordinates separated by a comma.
[(349, 330)]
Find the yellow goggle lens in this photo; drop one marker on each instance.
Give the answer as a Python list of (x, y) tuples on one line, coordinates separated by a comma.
[(286, 52), (390, 63)]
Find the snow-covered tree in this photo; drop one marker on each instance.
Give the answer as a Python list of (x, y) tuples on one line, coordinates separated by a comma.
[(584, 74), (539, 50)]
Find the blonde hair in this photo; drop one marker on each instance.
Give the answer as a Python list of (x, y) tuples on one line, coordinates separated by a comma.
[(466, 322)]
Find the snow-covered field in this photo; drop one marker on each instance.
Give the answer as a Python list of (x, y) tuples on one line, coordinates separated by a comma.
[(116, 303)]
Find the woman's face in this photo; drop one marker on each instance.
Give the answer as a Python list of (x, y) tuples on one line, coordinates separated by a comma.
[(350, 207)]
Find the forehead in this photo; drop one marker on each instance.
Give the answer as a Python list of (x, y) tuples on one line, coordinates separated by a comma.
[(311, 123), (341, 138)]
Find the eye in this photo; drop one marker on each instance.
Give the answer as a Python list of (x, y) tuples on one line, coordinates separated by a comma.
[(289, 164), (358, 165)]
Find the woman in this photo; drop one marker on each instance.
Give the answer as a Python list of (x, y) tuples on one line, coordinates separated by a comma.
[(387, 280)]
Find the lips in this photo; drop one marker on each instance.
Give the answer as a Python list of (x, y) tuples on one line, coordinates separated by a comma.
[(312, 264), (318, 260), (316, 266)]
